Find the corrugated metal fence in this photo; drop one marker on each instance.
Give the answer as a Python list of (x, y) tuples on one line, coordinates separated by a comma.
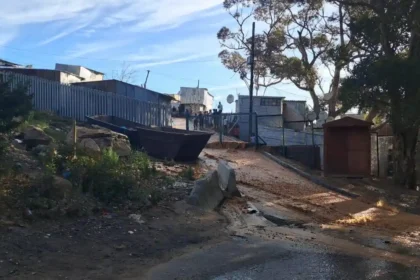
[(76, 102)]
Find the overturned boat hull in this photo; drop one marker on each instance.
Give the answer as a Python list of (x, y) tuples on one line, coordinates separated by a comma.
[(160, 142)]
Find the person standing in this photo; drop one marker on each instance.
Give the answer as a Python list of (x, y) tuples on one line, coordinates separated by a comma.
[(201, 120), (195, 122), (220, 107), (187, 119)]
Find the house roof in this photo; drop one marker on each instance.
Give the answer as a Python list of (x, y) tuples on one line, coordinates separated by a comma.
[(347, 122), (91, 70), (198, 88), (8, 63), (94, 71), (300, 101), (22, 70)]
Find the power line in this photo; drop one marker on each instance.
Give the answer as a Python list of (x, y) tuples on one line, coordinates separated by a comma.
[(292, 93)]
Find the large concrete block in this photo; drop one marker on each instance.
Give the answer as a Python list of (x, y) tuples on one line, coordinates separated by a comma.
[(206, 193), (227, 179)]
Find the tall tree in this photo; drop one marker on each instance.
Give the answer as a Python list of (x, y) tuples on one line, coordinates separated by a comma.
[(300, 39), (236, 44), (388, 32)]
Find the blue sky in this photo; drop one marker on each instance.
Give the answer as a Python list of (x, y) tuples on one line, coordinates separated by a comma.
[(175, 40)]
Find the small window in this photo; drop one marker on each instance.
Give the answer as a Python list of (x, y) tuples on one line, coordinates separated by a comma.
[(270, 102)]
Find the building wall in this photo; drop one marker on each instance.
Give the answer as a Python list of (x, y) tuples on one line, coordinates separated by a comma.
[(89, 75), (242, 106), (196, 96), (208, 100), (67, 78), (294, 111), (80, 71)]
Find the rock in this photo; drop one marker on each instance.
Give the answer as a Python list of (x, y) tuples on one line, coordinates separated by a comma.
[(122, 148), (104, 143), (90, 145), (100, 138), (59, 189), (227, 179), (206, 193), (34, 136), (85, 132), (136, 218)]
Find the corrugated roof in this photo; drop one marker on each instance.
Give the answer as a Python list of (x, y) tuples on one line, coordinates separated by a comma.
[(348, 122), (8, 63)]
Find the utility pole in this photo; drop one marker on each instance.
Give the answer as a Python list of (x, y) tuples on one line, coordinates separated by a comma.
[(251, 84), (147, 77)]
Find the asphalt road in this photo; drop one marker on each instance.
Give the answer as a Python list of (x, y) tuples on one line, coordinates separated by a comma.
[(256, 259)]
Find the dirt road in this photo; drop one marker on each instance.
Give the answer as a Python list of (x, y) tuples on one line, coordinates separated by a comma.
[(106, 246), (277, 188)]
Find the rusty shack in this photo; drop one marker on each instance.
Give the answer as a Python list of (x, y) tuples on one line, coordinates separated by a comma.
[(347, 148)]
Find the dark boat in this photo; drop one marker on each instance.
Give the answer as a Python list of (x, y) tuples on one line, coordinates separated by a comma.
[(160, 142)]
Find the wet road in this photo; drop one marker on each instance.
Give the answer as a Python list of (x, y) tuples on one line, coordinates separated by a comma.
[(256, 259)]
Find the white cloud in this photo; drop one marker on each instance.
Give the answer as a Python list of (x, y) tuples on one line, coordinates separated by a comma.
[(168, 61), (63, 34), (7, 34), (168, 13), (134, 15), (193, 48), (84, 49)]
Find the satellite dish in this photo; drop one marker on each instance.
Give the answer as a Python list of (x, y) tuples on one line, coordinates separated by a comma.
[(323, 116), (230, 99), (311, 116)]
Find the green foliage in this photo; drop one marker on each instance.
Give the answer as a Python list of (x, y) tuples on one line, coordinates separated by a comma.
[(110, 178), (386, 75), (34, 118), (14, 103), (298, 38)]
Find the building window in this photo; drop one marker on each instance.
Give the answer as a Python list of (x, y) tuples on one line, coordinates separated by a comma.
[(270, 102)]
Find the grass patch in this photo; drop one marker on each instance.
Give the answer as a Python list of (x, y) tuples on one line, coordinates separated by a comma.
[(188, 174)]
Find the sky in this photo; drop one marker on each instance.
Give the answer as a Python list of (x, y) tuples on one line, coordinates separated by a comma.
[(174, 39)]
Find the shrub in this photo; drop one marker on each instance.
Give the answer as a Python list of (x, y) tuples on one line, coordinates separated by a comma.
[(111, 179), (14, 102)]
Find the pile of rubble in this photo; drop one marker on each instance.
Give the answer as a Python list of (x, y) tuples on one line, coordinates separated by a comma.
[(92, 139)]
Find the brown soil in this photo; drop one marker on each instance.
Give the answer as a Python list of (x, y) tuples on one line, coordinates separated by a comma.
[(269, 183), (106, 246)]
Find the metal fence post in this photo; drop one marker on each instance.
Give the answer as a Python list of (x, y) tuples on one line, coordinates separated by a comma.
[(313, 146), (256, 130), (187, 122), (221, 128), (284, 147)]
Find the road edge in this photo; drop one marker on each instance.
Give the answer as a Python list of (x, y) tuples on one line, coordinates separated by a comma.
[(310, 177)]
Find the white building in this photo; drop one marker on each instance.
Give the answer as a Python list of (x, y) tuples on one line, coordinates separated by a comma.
[(87, 75), (196, 99)]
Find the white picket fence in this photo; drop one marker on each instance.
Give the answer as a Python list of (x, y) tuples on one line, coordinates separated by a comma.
[(76, 102)]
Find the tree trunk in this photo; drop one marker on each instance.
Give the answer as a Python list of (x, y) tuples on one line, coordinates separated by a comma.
[(404, 157), (315, 99), (332, 103)]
